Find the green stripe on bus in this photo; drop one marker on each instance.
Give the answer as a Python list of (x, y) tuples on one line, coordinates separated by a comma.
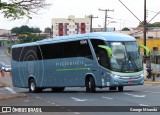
[(71, 69)]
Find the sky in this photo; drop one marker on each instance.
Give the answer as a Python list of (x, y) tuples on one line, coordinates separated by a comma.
[(82, 8)]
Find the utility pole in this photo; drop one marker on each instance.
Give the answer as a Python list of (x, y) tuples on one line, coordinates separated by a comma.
[(145, 24), (106, 16), (91, 17)]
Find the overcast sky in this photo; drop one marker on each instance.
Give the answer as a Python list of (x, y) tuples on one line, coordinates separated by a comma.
[(81, 8)]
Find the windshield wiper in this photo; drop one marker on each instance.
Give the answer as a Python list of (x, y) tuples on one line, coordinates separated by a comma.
[(133, 63)]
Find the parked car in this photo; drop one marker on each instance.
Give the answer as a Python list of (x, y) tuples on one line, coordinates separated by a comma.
[(7, 68), (2, 65)]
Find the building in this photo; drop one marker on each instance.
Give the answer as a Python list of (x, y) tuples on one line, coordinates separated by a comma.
[(152, 33), (69, 26), (4, 36), (152, 36), (4, 32)]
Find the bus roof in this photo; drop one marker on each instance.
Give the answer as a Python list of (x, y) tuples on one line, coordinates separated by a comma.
[(107, 36)]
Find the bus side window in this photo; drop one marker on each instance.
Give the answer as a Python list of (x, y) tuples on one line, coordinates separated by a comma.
[(103, 60), (101, 53), (95, 43), (84, 50)]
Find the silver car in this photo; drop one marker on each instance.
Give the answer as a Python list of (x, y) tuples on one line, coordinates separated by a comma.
[(7, 68)]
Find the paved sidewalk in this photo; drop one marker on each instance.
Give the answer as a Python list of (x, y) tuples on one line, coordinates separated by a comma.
[(7, 79), (151, 82), (7, 82)]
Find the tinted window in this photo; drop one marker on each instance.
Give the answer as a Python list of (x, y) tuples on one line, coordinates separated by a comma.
[(84, 49), (95, 44), (28, 53), (50, 51), (70, 49), (53, 51), (16, 53)]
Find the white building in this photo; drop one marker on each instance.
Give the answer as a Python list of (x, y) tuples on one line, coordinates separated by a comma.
[(71, 25), (4, 32), (151, 33)]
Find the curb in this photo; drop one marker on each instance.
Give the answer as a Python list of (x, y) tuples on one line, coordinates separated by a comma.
[(2, 84), (152, 83), (11, 96)]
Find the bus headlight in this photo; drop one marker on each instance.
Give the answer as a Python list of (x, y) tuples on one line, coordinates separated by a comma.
[(116, 76), (142, 75)]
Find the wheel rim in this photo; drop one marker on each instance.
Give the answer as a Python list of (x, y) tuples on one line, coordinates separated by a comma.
[(89, 83), (33, 86)]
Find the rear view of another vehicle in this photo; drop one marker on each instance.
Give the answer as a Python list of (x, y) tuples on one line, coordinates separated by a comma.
[(7, 68)]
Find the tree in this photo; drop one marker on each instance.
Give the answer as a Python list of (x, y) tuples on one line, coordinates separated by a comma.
[(15, 30), (47, 30), (35, 30), (16, 9), (25, 29), (155, 24), (125, 29), (29, 38)]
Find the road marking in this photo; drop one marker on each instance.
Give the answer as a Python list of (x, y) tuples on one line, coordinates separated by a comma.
[(26, 100), (149, 92), (52, 103), (77, 113), (10, 89), (135, 95), (143, 91), (107, 98), (143, 105), (76, 99)]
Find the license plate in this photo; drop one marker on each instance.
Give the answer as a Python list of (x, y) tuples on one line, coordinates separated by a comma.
[(130, 82)]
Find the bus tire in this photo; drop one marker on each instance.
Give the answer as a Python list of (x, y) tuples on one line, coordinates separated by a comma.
[(120, 88), (58, 89), (113, 88), (90, 85), (32, 87)]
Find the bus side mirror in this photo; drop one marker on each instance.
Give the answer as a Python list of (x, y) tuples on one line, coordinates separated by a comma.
[(109, 51), (146, 49)]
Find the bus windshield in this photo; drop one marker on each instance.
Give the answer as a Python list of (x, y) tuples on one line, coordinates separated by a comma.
[(125, 56)]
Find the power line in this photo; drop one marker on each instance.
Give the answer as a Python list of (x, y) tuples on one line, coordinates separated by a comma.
[(129, 10), (106, 16)]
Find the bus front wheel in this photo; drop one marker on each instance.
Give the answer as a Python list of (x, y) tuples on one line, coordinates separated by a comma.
[(90, 85), (120, 88), (32, 87)]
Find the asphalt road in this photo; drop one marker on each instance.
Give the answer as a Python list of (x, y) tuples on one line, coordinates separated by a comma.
[(132, 96), (3, 57)]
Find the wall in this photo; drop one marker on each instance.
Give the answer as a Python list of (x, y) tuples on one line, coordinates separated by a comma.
[(150, 43)]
